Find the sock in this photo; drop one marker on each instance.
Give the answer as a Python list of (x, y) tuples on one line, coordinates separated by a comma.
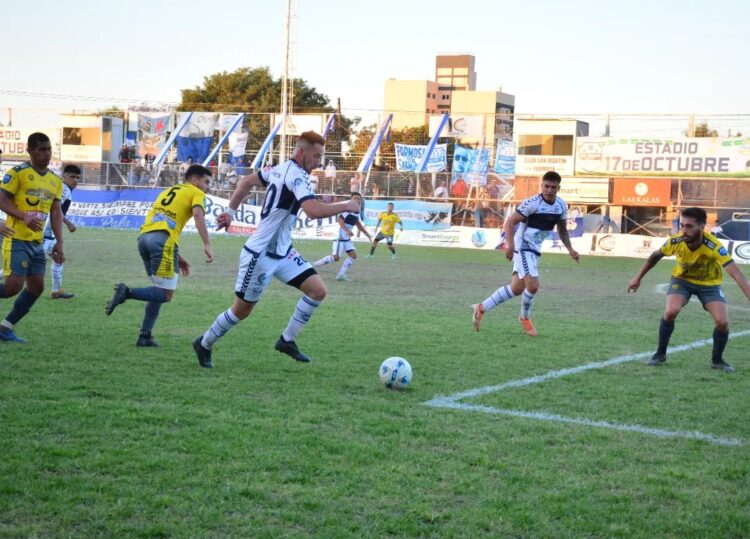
[(149, 293), (149, 319), (665, 332), (527, 298), (23, 303), (720, 342), (372, 250), (323, 261), (501, 295), (223, 323), (3, 294), (56, 270), (346, 265), (302, 313), (392, 250)]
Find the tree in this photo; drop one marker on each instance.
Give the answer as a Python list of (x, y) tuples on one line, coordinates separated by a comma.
[(702, 130), (113, 110), (408, 135)]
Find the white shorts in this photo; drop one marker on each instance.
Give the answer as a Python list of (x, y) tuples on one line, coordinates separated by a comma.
[(48, 245), (255, 272), (526, 263), (342, 246)]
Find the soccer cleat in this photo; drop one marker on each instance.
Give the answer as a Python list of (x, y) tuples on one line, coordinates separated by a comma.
[(291, 349), (120, 295), (656, 360), (146, 341), (61, 294), (9, 335), (477, 313), (724, 366), (368, 256), (393, 257), (343, 277), (204, 354), (528, 327)]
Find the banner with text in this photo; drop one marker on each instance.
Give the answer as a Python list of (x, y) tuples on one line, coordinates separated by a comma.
[(505, 160), (415, 214), (194, 141), (709, 156), (408, 155)]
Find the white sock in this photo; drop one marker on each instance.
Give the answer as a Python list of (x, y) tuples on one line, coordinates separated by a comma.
[(346, 265), (501, 295), (223, 323), (302, 313), (56, 270), (323, 261), (527, 298)]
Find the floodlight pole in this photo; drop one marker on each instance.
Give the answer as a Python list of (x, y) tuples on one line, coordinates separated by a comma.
[(285, 82)]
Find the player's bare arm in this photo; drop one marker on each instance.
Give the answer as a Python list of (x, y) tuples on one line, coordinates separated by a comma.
[(509, 228), (56, 217), (200, 225), (318, 210), (70, 224), (562, 231), (734, 272), (363, 229), (650, 262), (244, 186)]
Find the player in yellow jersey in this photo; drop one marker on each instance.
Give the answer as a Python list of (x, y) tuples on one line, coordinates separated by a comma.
[(389, 220), (28, 194), (158, 246), (700, 259)]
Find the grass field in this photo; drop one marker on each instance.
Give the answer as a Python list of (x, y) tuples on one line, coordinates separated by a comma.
[(100, 438)]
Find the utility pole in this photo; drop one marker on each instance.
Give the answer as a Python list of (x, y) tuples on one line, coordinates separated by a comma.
[(285, 82)]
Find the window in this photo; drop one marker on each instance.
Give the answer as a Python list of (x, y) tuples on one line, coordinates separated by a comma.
[(460, 70), (446, 81), (444, 71), (545, 145), (81, 136)]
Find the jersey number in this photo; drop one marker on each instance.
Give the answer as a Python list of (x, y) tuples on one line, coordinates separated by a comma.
[(269, 201), (167, 200)]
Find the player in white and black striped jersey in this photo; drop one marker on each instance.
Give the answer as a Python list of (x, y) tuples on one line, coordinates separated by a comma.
[(269, 252), (525, 230), (343, 243)]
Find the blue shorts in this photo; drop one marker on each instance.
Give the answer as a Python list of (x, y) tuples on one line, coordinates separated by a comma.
[(381, 236), (23, 257), (706, 294)]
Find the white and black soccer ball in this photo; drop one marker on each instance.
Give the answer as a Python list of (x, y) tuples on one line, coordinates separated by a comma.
[(395, 373)]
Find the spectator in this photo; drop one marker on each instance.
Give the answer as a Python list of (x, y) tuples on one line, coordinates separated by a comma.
[(459, 188), (441, 191), (717, 230), (331, 171), (355, 184), (493, 191), (125, 154)]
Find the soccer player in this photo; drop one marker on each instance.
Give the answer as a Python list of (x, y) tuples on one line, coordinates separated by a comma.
[(700, 258), (347, 221), (534, 218), (269, 252), (71, 175), (158, 246), (389, 220), (28, 194)]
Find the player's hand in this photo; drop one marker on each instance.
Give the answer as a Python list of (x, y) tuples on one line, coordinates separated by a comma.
[(184, 267), (352, 206), (509, 251), (33, 222), (5, 230), (223, 221), (71, 227), (575, 256), (57, 254), (633, 285), (209, 253)]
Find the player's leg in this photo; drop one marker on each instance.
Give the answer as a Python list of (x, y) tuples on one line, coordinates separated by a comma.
[(717, 307), (343, 274), (677, 297), (253, 275), (335, 255), (297, 272), (374, 245), (391, 248), (530, 266), (25, 266), (56, 272), (499, 296)]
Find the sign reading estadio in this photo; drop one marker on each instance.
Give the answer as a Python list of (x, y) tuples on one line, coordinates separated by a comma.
[(641, 192)]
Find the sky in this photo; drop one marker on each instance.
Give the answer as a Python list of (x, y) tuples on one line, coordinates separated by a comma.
[(556, 57)]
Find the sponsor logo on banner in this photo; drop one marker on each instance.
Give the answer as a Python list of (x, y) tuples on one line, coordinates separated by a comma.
[(415, 214), (642, 192), (647, 246), (408, 156), (602, 245), (505, 160), (742, 252), (705, 156), (585, 190), (458, 126), (479, 238)]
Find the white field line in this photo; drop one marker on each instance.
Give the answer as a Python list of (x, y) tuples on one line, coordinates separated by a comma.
[(451, 401)]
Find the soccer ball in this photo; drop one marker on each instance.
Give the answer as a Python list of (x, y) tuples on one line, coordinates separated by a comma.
[(395, 373)]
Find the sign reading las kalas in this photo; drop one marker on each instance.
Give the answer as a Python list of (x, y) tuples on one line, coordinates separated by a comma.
[(710, 156)]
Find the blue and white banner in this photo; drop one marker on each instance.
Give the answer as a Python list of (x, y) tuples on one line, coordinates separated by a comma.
[(505, 160), (237, 145), (470, 166), (152, 132), (408, 156), (194, 141), (415, 214)]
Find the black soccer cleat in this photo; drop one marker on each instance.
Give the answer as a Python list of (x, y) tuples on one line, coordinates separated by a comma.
[(119, 297), (204, 354), (291, 349), (657, 359), (723, 365), (146, 341)]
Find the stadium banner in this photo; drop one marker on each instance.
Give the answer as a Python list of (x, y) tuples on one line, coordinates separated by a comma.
[(537, 165), (408, 156), (237, 145), (458, 126), (505, 160), (415, 214), (152, 132), (585, 190), (469, 166), (296, 124), (642, 192), (194, 141), (13, 141), (704, 157)]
